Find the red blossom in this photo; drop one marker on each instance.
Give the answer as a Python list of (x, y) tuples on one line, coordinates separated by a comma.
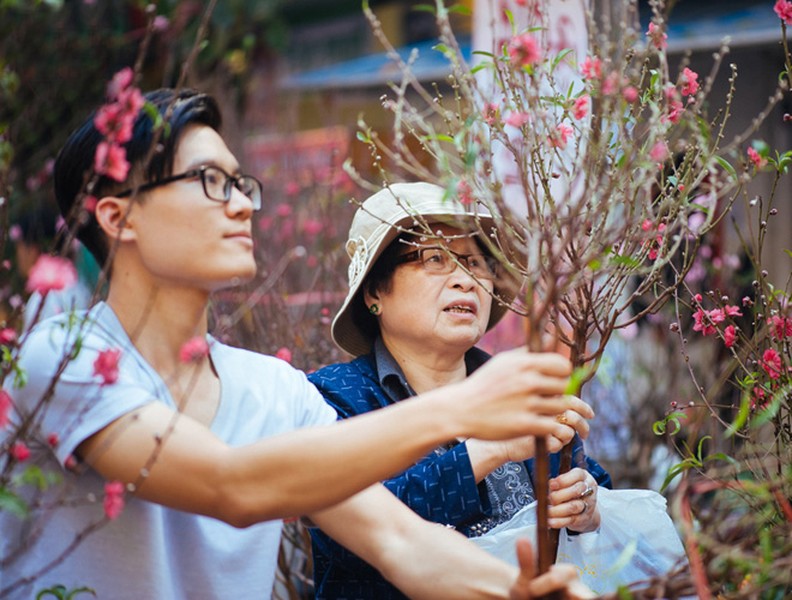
[(729, 336), (89, 204), (464, 192), (630, 94), (759, 399), (783, 8), (20, 452), (110, 160), (690, 84), (730, 310), (659, 152), (658, 37), (106, 365), (611, 84), (53, 439), (292, 188), (591, 68), (517, 119), (120, 82), (524, 50), (491, 113), (5, 407), (757, 159), (8, 336), (705, 321), (114, 499), (581, 107), (560, 137), (284, 354), (51, 273), (115, 124), (771, 363), (780, 327), (312, 227), (194, 349), (283, 209)]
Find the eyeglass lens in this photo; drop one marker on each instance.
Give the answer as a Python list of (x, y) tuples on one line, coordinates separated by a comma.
[(442, 261)]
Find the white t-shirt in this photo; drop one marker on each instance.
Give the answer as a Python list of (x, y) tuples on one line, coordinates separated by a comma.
[(149, 551)]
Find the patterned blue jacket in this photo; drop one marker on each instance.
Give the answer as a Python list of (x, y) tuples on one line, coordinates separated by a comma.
[(440, 488)]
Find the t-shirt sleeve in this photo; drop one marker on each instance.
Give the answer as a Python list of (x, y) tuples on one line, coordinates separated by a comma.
[(63, 395)]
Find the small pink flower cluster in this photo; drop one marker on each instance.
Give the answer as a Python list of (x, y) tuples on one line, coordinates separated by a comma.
[(106, 365), (656, 243), (115, 121), (757, 159), (783, 8), (194, 350), (524, 50), (114, 499), (51, 273), (705, 321), (657, 36), (5, 408)]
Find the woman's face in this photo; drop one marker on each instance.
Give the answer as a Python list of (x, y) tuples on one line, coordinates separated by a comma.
[(425, 310)]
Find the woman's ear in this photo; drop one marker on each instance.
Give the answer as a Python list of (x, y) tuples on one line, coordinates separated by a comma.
[(112, 215), (370, 295)]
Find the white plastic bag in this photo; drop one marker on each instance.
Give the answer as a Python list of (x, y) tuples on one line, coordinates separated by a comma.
[(636, 540)]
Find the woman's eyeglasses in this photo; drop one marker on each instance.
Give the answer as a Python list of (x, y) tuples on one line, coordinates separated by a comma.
[(442, 261), (217, 184)]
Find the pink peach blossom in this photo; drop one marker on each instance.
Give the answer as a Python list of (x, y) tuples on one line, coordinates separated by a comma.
[(658, 37), (5, 408), (757, 159), (51, 273), (771, 363), (783, 8), (114, 499), (729, 336), (690, 84), (284, 354), (524, 50), (110, 160), (194, 349), (581, 107), (106, 365), (20, 452), (591, 68)]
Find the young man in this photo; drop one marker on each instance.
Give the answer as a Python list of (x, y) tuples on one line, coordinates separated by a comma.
[(214, 449)]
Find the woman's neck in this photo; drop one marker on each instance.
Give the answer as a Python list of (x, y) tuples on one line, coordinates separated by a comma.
[(426, 371)]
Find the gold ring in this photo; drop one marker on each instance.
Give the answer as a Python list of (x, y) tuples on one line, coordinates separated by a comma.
[(587, 492), (585, 507), (562, 418)]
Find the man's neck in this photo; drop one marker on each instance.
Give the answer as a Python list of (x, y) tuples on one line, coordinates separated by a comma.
[(158, 319)]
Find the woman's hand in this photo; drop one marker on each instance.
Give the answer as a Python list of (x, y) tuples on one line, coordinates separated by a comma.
[(485, 456), (573, 502)]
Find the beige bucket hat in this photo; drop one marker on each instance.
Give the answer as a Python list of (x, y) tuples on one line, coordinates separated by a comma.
[(375, 225)]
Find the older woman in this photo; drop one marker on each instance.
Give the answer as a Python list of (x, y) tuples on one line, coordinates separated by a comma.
[(418, 302)]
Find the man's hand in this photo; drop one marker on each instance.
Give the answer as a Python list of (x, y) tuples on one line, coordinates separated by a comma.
[(560, 578)]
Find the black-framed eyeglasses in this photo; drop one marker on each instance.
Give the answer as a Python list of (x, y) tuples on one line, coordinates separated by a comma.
[(442, 261), (217, 184)]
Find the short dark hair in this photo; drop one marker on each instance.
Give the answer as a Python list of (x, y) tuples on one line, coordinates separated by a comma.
[(75, 161)]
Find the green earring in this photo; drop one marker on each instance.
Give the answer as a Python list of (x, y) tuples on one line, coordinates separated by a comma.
[(374, 309)]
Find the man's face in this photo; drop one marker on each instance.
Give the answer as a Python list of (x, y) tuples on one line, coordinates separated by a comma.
[(186, 239)]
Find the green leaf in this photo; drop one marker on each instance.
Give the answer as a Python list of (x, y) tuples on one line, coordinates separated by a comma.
[(363, 137), (660, 427), (430, 8), (460, 9), (768, 414), (439, 137), (12, 503), (742, 416), (761, 147), (726, 165)]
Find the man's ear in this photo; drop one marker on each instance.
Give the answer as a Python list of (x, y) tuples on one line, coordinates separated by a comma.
[(113, 216)]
